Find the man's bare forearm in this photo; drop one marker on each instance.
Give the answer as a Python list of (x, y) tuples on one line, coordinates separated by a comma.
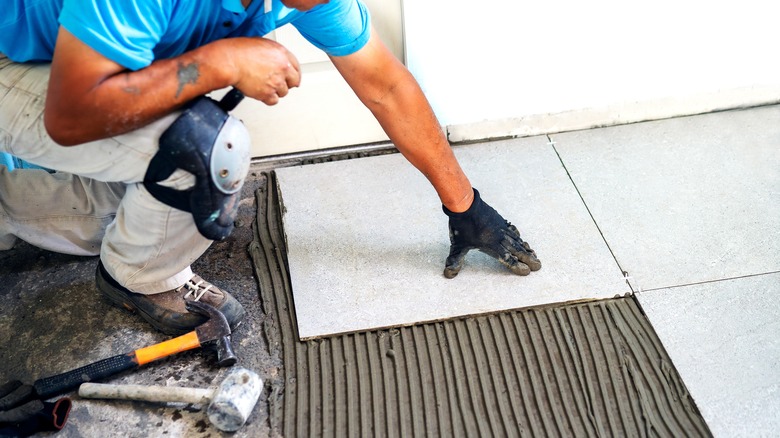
[(409, 121), (394, 97), (79, 111), (103, 99)]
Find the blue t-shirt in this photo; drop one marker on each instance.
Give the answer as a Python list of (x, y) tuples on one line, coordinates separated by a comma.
[(135, 33)]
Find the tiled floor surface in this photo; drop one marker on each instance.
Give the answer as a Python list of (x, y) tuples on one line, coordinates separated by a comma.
[(670, 204), (689, 208)]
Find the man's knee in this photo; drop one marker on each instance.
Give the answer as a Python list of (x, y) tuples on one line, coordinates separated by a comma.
[(214, 147)]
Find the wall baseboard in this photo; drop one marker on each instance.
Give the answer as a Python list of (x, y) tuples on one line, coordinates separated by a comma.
[(616, 114)]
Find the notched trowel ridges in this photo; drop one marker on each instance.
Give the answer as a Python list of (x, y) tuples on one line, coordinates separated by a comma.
[(586, 369)]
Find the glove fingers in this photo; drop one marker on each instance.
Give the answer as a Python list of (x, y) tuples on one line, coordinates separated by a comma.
[(506, 253), (455, 260), (18, 396), (521, 249), (516, 266), (529, 258), (22, 413), (9, 387)]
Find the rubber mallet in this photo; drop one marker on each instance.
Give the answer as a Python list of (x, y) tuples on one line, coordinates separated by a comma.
[(229, 405)]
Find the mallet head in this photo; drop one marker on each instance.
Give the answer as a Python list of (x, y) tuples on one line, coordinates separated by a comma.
[(234, 400)]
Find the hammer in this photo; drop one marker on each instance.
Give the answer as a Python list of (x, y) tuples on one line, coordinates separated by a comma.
[(229, 405), (214, 332)]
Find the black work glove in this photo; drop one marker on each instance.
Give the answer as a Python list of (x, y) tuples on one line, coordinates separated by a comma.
[(14, 394), (22, 414), (481, 227)]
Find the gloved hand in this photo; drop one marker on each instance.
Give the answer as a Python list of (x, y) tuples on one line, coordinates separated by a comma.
[(481, 227), (14, 394), (22, 414), (33, 417)]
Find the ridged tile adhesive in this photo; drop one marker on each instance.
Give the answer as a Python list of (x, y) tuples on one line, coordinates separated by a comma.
[(588, 369)]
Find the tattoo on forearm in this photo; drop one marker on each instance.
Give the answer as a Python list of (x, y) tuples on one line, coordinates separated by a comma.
[(187, 74)]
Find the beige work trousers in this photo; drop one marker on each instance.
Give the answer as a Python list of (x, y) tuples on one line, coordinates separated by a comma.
[(94, 202)]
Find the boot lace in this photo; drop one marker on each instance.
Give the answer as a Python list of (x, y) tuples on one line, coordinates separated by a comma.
[(196, 290)]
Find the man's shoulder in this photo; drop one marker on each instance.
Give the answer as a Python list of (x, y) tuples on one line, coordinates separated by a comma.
[(339, 27)]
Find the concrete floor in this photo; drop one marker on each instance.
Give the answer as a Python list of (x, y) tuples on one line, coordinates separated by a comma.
[(689, 208), (54, 320)]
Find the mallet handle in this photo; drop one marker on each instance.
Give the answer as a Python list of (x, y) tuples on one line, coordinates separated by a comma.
[(160, 394)]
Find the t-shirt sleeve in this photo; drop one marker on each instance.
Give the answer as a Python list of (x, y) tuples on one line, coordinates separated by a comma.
[(125, 32), (339, 27)]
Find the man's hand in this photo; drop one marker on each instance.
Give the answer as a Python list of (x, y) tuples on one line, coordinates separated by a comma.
[(481, 227), (266, 70), (395, 98)]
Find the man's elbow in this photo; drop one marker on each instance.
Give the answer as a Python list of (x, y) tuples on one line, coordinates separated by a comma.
[(392, 94), (61, 130), (381, 97)]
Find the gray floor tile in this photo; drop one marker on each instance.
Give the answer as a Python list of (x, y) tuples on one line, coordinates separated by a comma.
[(367, 240), (723, 340), (684, 200)]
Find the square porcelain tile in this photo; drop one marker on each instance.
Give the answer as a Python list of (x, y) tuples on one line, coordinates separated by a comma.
[(367, 240), (724, 339), (684, 200)]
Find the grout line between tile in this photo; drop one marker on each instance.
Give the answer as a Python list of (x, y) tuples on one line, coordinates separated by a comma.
[(626, 275), (712, 281)]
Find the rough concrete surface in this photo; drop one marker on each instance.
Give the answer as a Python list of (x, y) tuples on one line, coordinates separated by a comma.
[(54, 320), (367, 240), (723, 339), (684, 200)]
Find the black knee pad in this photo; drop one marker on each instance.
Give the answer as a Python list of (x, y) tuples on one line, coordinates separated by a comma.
[(213, 146)]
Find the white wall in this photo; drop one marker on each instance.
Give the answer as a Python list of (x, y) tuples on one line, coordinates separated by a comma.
[(323, 112), (608, 61)]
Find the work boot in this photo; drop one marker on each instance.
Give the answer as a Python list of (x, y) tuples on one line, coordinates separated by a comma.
[(165, 311)]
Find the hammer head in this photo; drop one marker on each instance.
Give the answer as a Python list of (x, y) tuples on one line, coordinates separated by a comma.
[(214, 332)]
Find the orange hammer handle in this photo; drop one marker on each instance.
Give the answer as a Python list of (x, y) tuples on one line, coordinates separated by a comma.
[(50, 386), (164, 349)]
